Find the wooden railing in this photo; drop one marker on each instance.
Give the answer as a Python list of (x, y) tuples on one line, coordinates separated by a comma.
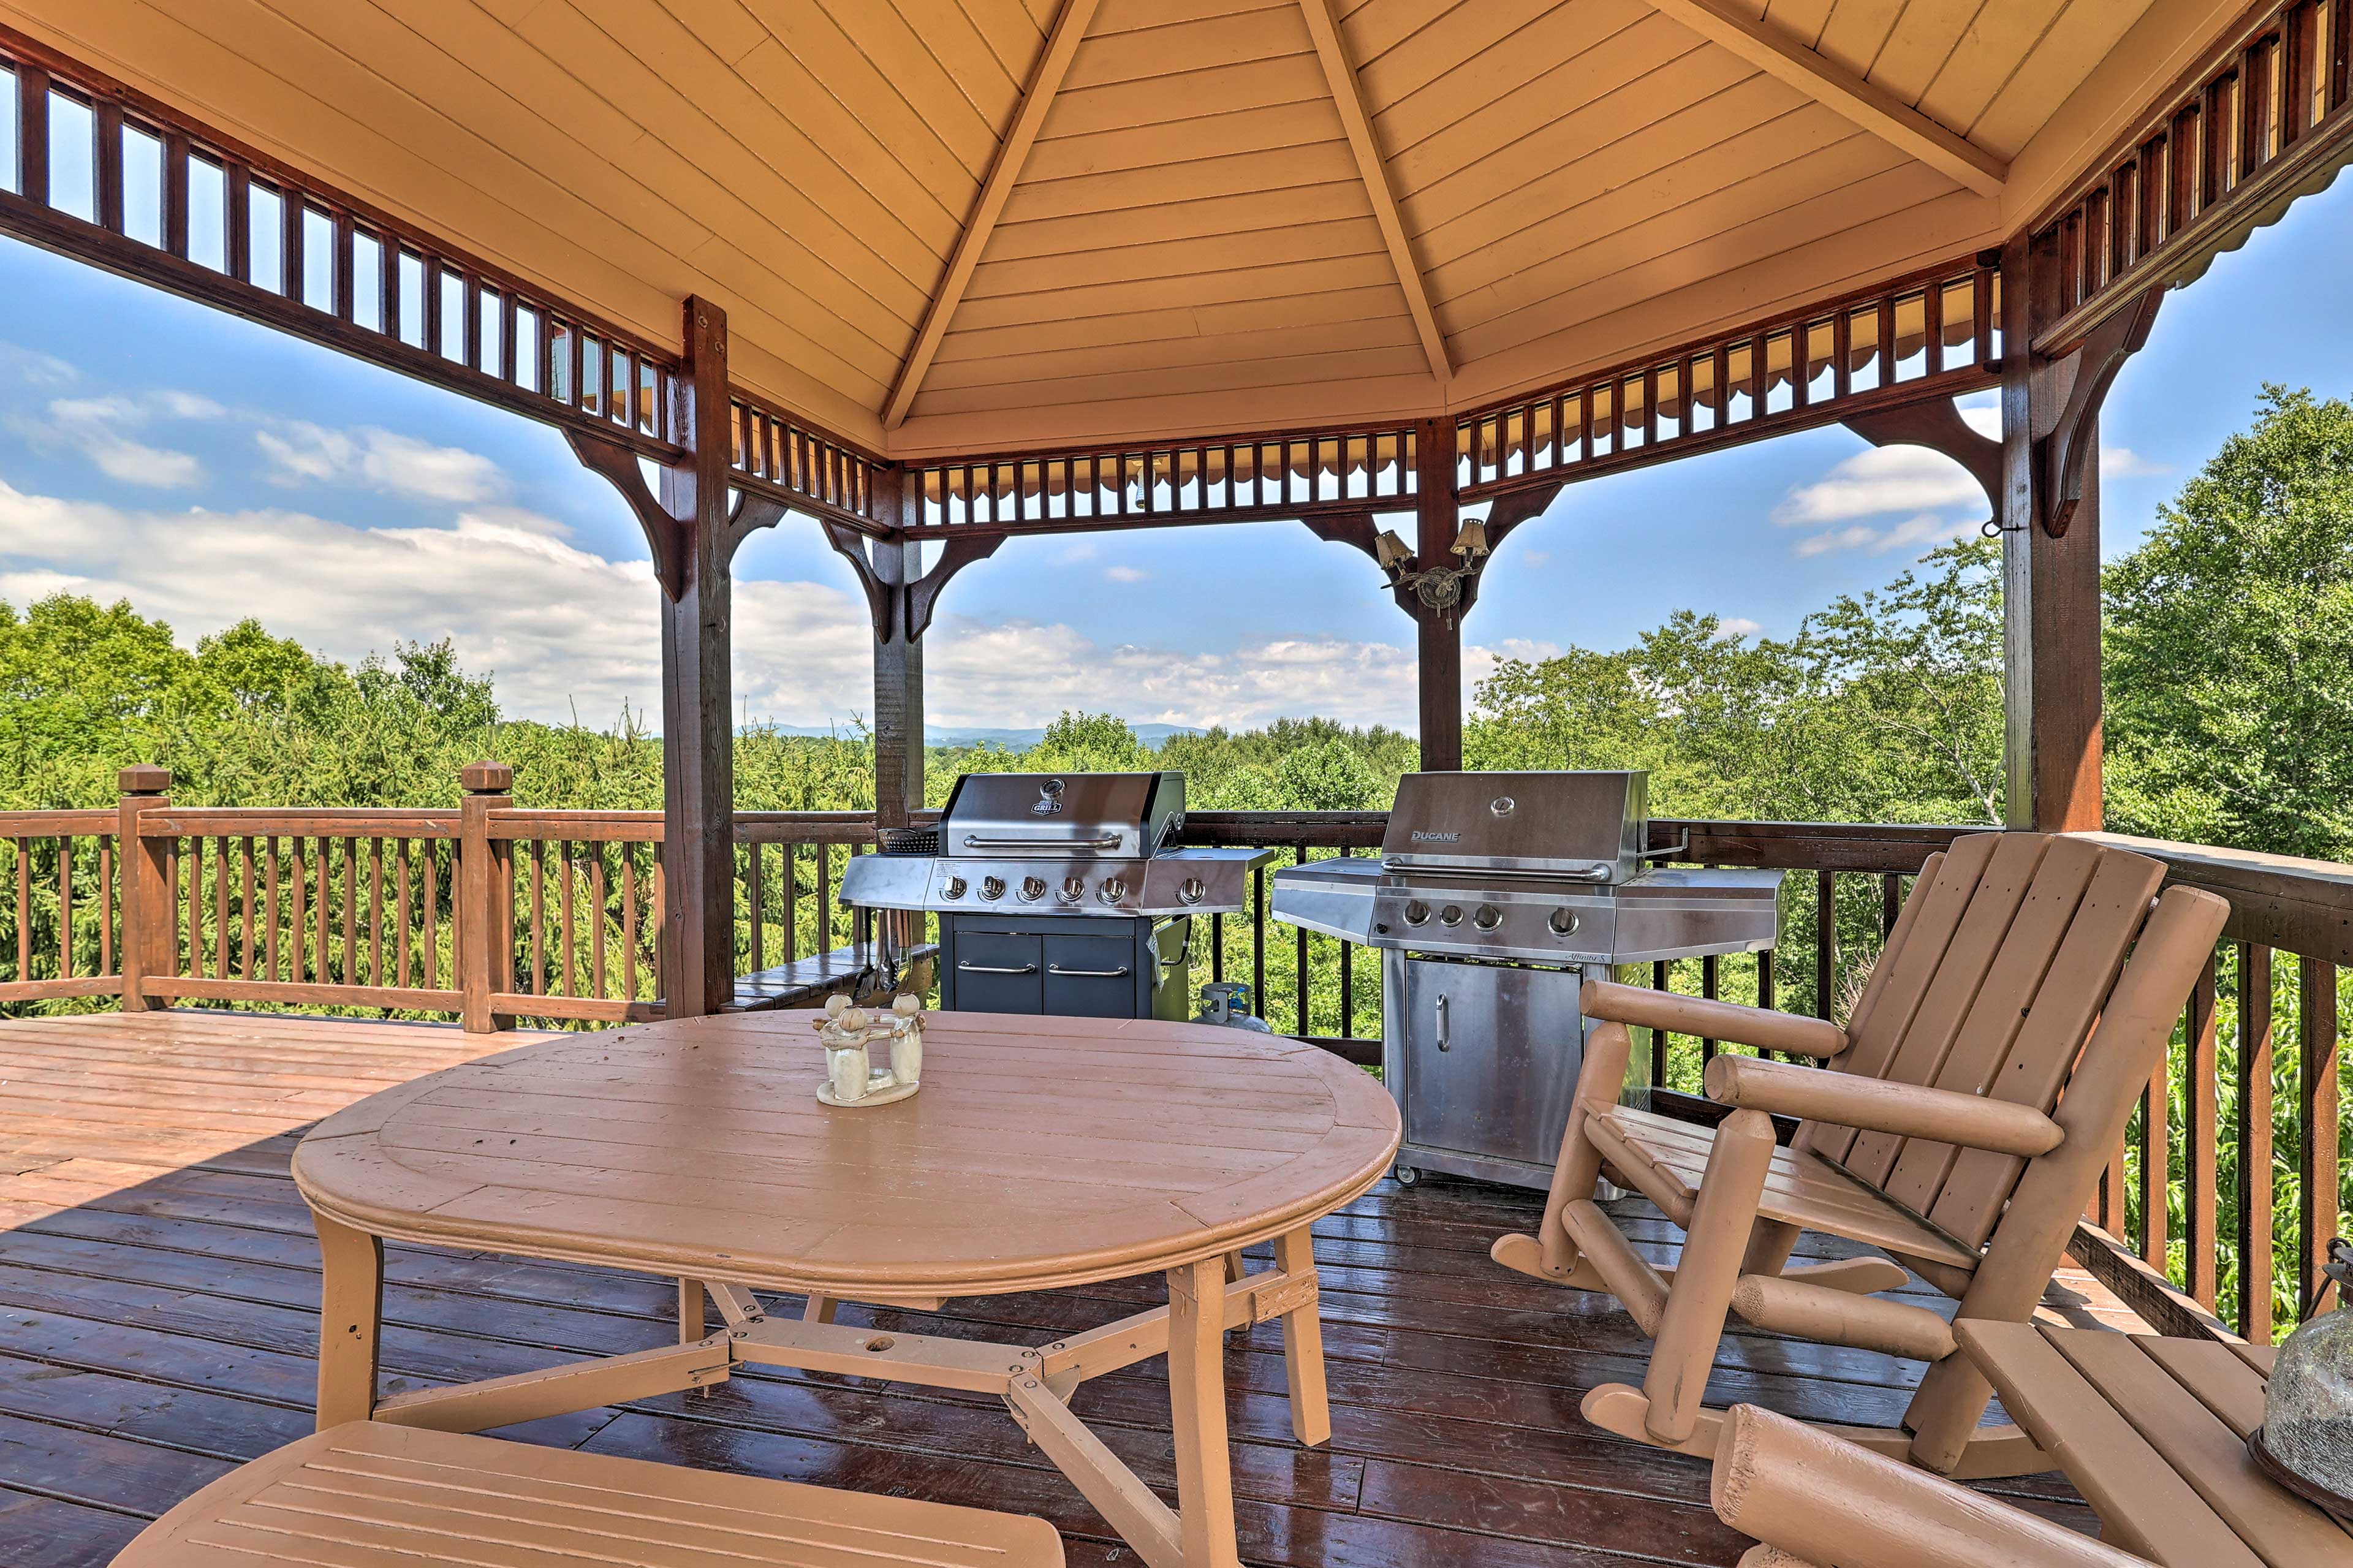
[(2226, 1187)]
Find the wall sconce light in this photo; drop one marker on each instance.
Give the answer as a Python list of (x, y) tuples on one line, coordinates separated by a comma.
[(1440, 588)]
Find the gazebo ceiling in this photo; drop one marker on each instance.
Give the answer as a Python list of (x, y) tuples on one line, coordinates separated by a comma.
[(961, 225)]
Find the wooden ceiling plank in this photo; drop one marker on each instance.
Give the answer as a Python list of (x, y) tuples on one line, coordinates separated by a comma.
[(1136, 58), (1256, 131), (1716, 210), (2084, 36), (1253, 84), (1997, 42), (1673, 255), (1053, 64), (1224, 348), (1345, 96), (1256, 283), (1245, 212), (1302, 242), (1599, 150), (1377, 302), (1245, 368), (1571, 49), (1375, 400), (1769, 50), (1200, 179)]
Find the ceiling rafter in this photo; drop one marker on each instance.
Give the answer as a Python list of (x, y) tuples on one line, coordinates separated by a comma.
[(1053, 64), (1839, 89), (1340, 73)]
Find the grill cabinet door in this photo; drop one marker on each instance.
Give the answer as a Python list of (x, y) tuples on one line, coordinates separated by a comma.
[(1492, 1056), (999, 970), (1091, 976)]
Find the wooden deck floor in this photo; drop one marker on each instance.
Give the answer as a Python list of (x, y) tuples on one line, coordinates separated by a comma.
[(158, 1290)]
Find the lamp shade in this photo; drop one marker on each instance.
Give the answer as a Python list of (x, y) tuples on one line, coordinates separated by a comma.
[(2308, 1406), (1390, 550)]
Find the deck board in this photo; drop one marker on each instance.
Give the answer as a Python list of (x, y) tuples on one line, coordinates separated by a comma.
[(158, 1287)]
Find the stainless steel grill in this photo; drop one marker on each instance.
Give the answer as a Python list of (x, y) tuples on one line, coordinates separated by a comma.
[(1060, 893), (1495, 895)]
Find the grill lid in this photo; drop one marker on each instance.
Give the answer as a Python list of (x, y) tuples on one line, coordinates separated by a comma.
[(1062, 815), (1573, 826)]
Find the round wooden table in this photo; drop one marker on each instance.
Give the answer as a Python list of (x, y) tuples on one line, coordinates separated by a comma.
[(1041, 1152)]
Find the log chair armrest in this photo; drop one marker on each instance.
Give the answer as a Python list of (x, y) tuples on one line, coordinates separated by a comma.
[(1874, 1105), (1758, 1026)]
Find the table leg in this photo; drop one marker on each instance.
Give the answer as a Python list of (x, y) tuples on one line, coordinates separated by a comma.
[(690, 1312), (351, 1316), (1302, 1342), (1197, 1400)]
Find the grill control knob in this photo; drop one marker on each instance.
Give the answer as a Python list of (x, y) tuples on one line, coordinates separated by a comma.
[(953, 887), (1033, 888), (1451, 915), (992, 887), (1563, 922), (1487, 918), (1072, 889), (1112, 890), (1416, 912), (1192, 890)]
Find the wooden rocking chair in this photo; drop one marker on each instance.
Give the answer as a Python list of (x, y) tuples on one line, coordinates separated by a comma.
[(1940, 1135)]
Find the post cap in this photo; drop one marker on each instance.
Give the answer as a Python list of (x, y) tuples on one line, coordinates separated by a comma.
[(143, 778), (486, 778)]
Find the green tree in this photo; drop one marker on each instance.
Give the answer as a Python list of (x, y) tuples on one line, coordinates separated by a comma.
[(2229, 645)]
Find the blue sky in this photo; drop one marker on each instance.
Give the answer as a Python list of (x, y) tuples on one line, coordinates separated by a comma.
[(208, 469)]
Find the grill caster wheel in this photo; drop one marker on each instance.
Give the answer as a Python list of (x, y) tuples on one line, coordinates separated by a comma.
[(1406, 1175)]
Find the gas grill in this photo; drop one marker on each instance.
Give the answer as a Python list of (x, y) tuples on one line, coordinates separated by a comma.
[(1495, 897), (1058, 893)]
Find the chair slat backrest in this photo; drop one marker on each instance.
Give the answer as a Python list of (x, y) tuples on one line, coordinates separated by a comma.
[(1991, 989)]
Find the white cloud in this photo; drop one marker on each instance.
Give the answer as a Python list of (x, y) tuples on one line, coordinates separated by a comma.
[(567, 631), (1532, 559), (31, 369), (1925, 530), (378, 459), (101, 429), (1125, 573), (2123, 462), (1883, 479), (1076, 550), (1738, 627)]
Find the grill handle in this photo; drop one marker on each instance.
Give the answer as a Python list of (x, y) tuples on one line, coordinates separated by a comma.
[(1445, 1033), (965, 968), (1100, 841), (1596, 874), (1119, 973)]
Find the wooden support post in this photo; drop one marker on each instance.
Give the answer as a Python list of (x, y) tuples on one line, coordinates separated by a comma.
[(150, 938), (351, 1316), (898, 691), (485, 894), (1439, 633), (2050, 581), (1196, 1399), (698, 726), (1303, 1340)]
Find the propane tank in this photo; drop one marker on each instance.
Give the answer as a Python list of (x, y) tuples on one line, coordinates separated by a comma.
[(1226, 1002)]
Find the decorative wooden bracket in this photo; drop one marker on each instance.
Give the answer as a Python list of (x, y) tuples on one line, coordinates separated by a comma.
[(2064, 452), (887, 601), (923, 593), (882, 598), (750, 514), (665, 535), (1937, 425)]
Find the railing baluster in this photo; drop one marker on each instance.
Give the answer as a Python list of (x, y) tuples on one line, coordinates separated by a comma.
[(220, 907), (1825, 940), (2156, 1167), (196, 907), (629, 921), (1663, 975), (300, 928), (1299, 961), (375, 911), (105, 904), (596, 918), (245, 915), (24, 909), (2199, 1175), (2315, 1103), (566, 929), (350, 920), (322, 968), (65, 908), (429, 885), (1707, 988), (400, 912), (1257, 935), (752, 903), (539, 917), (792, 863)]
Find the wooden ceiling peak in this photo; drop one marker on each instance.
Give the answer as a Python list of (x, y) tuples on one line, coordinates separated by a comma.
[(1839, 89), (1053, 64), (1348, 97)]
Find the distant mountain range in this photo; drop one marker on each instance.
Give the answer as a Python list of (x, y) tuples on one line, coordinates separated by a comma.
[(1008, 740)]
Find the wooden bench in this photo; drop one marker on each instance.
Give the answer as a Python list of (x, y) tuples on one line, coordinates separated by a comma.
[(368, 1492), (808, 982)]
